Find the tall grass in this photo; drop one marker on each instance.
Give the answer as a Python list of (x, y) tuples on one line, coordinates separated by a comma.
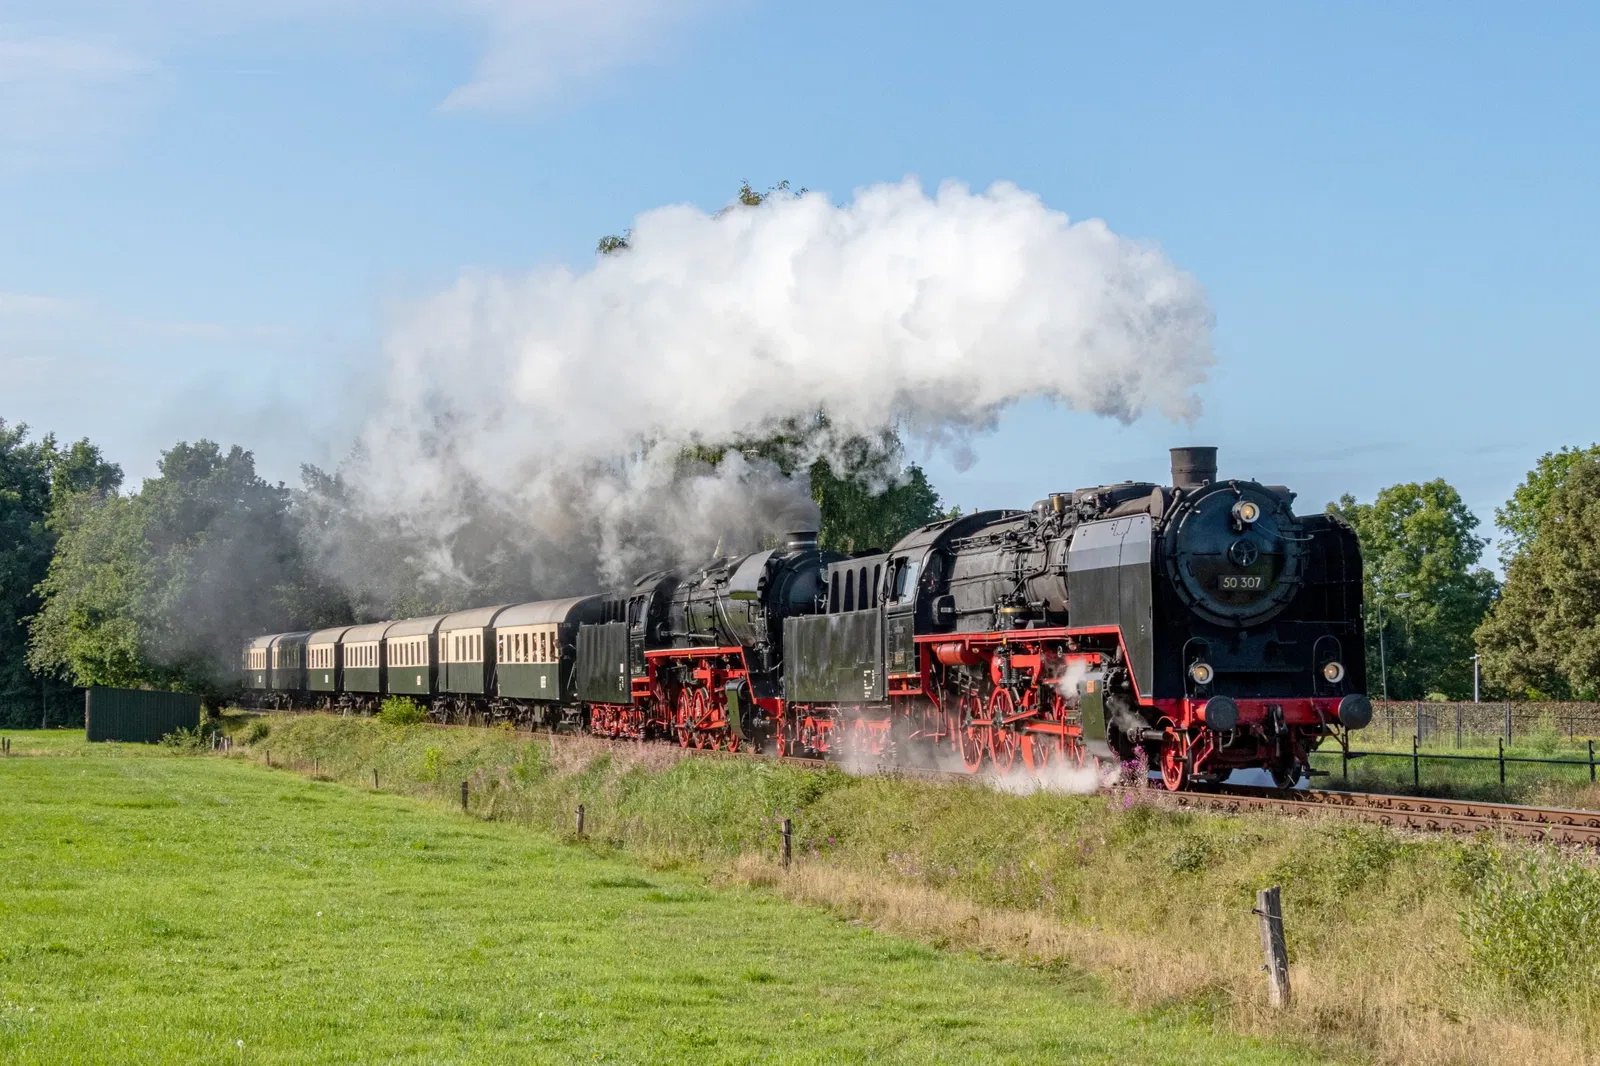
[(1402, 948)]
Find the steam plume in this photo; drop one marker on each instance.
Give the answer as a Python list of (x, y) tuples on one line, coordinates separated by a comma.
[(563, 394)]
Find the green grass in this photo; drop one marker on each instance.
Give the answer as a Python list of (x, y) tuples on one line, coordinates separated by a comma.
[(160, 908)]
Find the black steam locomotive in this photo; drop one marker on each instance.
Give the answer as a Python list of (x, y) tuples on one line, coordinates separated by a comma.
[(1202, 626)]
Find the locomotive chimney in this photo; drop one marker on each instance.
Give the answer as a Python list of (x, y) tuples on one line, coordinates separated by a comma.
[(1193, 467), (802, 540)]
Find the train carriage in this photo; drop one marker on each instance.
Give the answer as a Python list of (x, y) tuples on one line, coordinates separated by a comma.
[(534, 645), (325, 661), (257, 663), (466, 652), (364, 682), (412, 649), (287, 657)]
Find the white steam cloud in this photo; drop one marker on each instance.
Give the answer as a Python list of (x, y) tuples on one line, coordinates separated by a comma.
[(931, 313)]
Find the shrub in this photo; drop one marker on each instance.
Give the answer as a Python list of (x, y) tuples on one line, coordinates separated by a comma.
[(402, 710), (186, 740), (258, 731), (1533, 928)]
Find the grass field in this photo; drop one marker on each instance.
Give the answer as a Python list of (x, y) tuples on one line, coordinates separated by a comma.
[(158, 908)]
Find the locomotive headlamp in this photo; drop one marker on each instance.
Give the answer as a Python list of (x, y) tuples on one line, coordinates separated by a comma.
[(1202, 673), (1333, 673), (1245, 512)]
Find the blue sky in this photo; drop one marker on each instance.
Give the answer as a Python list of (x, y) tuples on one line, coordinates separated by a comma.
[(209, 212)]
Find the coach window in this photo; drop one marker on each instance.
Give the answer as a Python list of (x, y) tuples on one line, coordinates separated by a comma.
[(877, 581), (849, 590), (833, 593)]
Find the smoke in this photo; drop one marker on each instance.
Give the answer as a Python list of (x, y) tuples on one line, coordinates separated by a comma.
[(561, 400)]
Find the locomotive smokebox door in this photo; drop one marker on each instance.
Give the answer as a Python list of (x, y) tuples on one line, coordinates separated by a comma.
[(1092, 711)]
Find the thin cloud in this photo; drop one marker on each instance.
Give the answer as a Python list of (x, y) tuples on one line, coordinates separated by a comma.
[(534, 47), (55, 87), (95, 65)]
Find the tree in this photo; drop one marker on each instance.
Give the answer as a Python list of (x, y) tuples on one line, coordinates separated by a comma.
[(1519, 518), (36, 480), (161, 587), (1542, 638), (1423, 580)]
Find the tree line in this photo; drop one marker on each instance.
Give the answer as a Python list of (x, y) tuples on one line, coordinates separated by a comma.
[(158, 587), (1431, 606)]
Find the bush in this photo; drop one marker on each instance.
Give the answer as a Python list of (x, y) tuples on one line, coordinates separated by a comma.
[(402, 710), (1533, 928), (259, 730), (188, 741)]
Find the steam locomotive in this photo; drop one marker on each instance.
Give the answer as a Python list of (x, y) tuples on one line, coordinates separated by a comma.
[(1202, 627)]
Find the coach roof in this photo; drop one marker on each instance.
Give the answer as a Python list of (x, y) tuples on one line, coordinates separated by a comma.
[(414, 627), (477, 618), (369, 632), (528, 614), (330, 636)]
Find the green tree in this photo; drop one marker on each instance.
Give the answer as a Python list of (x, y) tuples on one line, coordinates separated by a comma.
[(1519, 518), (1421, 560), (37, 479), (160, 587), (1542, 638)]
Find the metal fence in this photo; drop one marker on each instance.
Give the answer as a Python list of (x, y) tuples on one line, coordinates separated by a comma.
[(1446, 724)]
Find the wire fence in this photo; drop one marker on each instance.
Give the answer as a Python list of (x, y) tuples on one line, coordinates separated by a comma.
[(1459, 725)]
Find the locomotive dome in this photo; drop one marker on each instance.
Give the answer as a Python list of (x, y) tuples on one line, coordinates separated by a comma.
[(1233, 549)]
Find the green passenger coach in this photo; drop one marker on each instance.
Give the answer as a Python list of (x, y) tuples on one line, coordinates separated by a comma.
[(324, 661), (412, 649), (466, 652), (363, 660), (534, 645)]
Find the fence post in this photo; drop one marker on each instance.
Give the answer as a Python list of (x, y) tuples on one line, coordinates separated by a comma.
[(1416, 736), (1501, 741), (1391, 723), (580, 819), (1508, 723), (1416, 767), (788, 852), (463, 796), (1459, 712), (1344, 756), (1274, 948), (374, 779), (1591, 760)]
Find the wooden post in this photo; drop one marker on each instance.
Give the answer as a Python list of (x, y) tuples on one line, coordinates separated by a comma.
[(1459, 713), (1591, 760), (374, 779), (580, 819), (1416, 769), (269, 756), (1502, 743), (463, 797), (788, 843), (1274, 948), (1508, 723)]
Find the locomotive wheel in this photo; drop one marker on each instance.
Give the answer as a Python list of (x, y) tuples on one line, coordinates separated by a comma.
[(685, 719), (1039, 750), (974, 741), (1003, 741), (1174, 760)]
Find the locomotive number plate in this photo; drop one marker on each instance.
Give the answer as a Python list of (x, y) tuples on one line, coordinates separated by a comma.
[(1240, 582)]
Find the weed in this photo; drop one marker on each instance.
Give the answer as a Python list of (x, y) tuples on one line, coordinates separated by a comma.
[(402, 710), (1533, 928)]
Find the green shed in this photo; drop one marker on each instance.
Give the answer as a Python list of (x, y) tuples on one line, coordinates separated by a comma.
[(136, 716)]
